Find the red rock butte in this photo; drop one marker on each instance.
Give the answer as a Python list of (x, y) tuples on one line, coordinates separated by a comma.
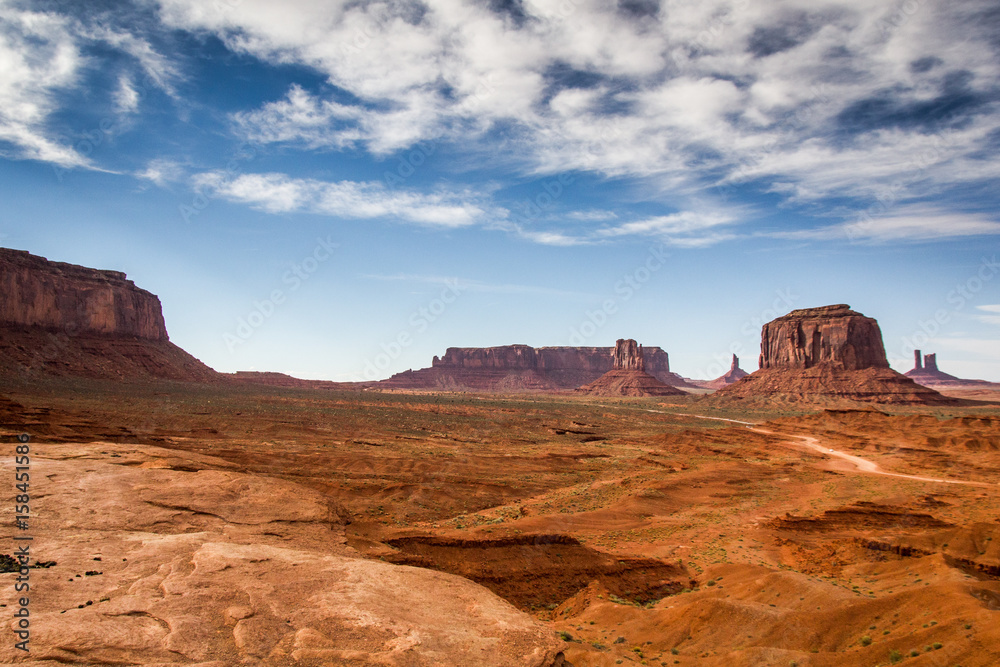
[(63, 319), (627, 377), (831, 352)]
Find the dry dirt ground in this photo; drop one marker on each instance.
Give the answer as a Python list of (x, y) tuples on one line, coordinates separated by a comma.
[(284, 526)]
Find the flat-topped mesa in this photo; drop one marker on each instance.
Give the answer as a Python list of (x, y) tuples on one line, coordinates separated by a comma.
[(628, 355), (75, 299), (523, 357), (831, 335), (503, 357)]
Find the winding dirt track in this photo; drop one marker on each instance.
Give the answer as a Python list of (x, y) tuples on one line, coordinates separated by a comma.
[(860, 464)]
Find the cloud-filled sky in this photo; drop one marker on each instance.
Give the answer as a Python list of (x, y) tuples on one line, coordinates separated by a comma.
[(306, 183)]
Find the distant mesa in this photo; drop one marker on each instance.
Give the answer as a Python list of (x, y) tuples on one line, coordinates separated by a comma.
[(925, 371), (829, 352), (627, 376), (522, 368), (68, 320)]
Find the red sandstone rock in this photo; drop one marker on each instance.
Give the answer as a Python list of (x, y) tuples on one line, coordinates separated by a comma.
[(628, 356), (827, 353), (834, 335), (734, 374), (63, 319), (220, 567), (627, 377), (518, 368), (65, 297)]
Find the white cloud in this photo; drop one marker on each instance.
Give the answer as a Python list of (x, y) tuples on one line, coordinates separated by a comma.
[(162, 172), (911, 223), (699, 91), (38, 57), (41, 57), (992, 318), (591, 215), (126, 98), (279, 193)]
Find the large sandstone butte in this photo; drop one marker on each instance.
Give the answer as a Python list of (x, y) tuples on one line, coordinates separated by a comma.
[(627, 377), (525, 368), (829, 352), (63, 319)]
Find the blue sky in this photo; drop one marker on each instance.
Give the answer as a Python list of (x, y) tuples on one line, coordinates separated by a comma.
[(343, 190)]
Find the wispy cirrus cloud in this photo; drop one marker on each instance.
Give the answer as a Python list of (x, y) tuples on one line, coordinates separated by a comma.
[(466, 284), (909, 223), (280, 193), (40, 57), (43, 55), (992, 316)]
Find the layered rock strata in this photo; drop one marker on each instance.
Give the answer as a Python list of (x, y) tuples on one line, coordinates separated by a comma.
[(827, 353), (68, 320)]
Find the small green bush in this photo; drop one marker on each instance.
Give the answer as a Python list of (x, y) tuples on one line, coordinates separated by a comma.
[(866, 641), (895, 656)]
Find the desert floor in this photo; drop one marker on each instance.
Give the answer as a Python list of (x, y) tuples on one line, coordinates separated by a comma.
[(631, 531)]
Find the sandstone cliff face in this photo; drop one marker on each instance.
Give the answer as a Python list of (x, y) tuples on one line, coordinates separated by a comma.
[(833, 335), (66, 320), (53, 295)]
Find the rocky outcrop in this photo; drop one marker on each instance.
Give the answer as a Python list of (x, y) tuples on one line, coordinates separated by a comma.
[(524, 368), (628, 356), (62, 319), (827, 353), (832, 335), (75, 299), (627, 377), (166, 557), (734, 374), (926, 372)]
